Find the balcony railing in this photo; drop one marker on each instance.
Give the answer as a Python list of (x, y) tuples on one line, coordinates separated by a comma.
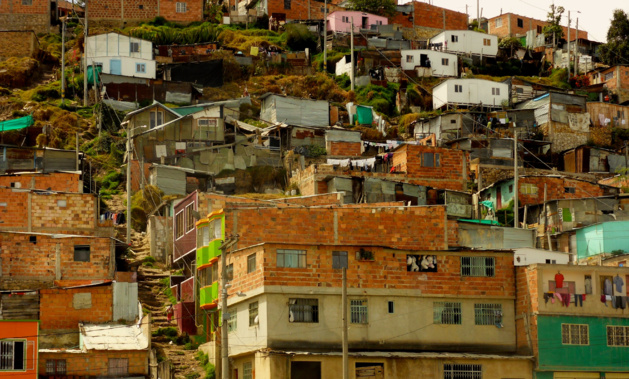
[(209, 296), (209, 254)]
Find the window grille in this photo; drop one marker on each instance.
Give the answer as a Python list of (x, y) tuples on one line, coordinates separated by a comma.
[(118, 366), (575, 334), (303, 310), (55, 366), (617, 335), (478, 266), (447, 313), (487, 314), (358, 311), (232, 323), (462, 371), (12, 355), (253, 313), (291, 258)]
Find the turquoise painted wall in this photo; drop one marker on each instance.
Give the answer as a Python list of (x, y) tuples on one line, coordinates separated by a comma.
[(603, 238), (597, 356), (505, 195)]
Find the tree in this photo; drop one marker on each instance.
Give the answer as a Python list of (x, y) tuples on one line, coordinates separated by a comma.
[(553, 29), (379, 7), (617, 46), (510, 45)]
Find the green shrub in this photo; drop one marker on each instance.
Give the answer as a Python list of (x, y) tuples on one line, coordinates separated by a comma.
[(298, 37)]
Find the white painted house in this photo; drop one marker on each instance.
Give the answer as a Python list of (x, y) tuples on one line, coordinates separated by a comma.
[(470, 92), (466, 42), (436, 63), (121, 55)]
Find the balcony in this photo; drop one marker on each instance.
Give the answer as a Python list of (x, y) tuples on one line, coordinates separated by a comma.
[(209, 296), (207, 255)]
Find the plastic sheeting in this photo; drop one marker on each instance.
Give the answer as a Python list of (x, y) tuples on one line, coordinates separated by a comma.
[(16, 124)]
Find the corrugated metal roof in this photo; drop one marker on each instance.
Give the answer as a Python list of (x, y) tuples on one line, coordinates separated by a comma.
[(113, 337)]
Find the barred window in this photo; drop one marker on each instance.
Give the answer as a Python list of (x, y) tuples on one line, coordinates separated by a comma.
[(55, 366), (446, 313), (12, 355), (251, 263), (253, 313), (118, 366), (462, 371), (478, 266), (247, 370), (179, 225), (575, 334), (358, 311), (487, 314), (303, 310), (617, 335), (291, 258), (181, 7), (232, 320)]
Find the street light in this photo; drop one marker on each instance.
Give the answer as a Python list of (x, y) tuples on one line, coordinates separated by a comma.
[(126, 123)]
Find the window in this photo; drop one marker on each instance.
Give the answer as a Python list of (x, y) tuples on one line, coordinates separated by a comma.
[(495, 91), (140, 6), (498, 22), (287, 4), (140, 68), (118, 366), (444, 61), (510, 188), (454, 38), (247, 370), (251, 263), (478, 266), (519, 90), (486, 42), (303, 310), (378, 22), (345, 19), (203, 236), (134, 47), (156, 119), (12, 355), (458, 88), (574, 334), (55, 366), (409, 59), (207, 126), (189, 217), (229, 272), (462, 371), (609, 76), (232, 320), (339, 259), (617, 335), (528, 189), (487, 314), (181, 8), (391, 307), (446, 313), (27, 2), (539, 29), (179, 224), (358, 311), (291, 258), (253, 313), (588, 284), (82, 253), (551, 261), (431, 160), (569, 189), (520, 23)]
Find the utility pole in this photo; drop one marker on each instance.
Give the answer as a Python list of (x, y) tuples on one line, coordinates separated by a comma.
[(344, 310), (351, 76), (325, 36), (478, 14), (516, 191), (85, 100), (576, 52), (129, 184), (63, 60), (224, 315), (568, 49)]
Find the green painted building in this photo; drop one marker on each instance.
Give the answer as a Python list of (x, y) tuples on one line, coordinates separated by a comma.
[(603, 238)]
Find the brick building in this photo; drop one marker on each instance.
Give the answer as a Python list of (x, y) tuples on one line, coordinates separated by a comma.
[(65, 308), (426, 15), (514, 25), (133, 11), (60, 181), (616, 80), (35, 15)]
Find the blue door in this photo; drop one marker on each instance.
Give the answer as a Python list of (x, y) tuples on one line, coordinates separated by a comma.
[(115, 67)]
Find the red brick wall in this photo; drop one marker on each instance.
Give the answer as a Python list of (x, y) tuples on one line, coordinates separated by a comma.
[(22, 259), (451, 174), (112, 10), (57, 307), (137, 176), (527, 24), (430, 16), (345, 149), (15, 16), (62, 182), (323, 199), (95, 362), (525, 305), (403, 228), (555, 188), (387, 270)]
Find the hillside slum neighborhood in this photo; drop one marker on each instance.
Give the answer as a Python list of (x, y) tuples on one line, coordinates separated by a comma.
[(477, 244)]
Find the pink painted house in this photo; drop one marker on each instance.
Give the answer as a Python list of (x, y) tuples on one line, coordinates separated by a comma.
[(340, 21)]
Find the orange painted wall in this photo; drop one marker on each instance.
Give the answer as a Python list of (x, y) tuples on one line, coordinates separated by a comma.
[(25, 330)]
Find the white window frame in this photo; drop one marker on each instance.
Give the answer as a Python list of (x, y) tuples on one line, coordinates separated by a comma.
[(181, 7), (189, 218), (180, 228), (156, 118), (7, 356), (232, 321), (528, 189), (251, 263), (575, 334), (299, 255), (303, 310)]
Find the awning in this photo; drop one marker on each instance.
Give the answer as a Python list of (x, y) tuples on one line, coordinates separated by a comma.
[(16, 124)]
